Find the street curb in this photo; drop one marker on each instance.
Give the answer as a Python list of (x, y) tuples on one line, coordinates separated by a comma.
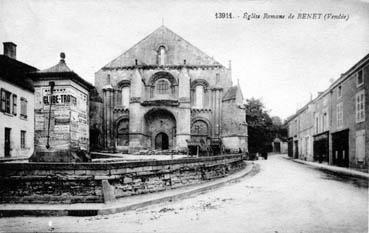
[(116, 207), (11, 159), (333, 169)]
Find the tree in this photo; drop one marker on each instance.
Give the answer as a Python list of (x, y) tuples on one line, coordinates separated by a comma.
[(262, 128)]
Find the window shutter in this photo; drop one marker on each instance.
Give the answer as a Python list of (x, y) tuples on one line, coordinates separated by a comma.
[(14, 110), (2, 100), (360, 145)]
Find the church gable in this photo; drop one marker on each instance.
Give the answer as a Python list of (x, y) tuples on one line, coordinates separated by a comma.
[(162, 47)]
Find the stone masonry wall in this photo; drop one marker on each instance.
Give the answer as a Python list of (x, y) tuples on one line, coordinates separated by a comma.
[(99, 182)]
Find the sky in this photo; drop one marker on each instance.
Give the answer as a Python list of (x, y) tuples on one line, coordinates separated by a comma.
[(282, 61)]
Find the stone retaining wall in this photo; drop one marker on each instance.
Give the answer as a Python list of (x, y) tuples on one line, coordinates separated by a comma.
[(99, 182)]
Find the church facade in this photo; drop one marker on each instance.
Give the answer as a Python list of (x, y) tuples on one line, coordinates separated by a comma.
[(166, 94)]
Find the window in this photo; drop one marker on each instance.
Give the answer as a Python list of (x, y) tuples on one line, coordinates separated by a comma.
[(217, 77), (360, 145), (316, 124), (14, 105), (162, 86), (125, 96), (23, 139), (339, 92), (161, 56), (359, 78), (23, 112), (360, 106), (5, 101), (325, 121), (307, 141), (296, 127), (339, 115), (199, 127), (2, 100), (199, 96)]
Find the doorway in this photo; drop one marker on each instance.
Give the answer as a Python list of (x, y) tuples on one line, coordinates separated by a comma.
[(296, 150), (277, 147), (290, 147), (7, 142), (321, 147), (160, 129), (340, 148), (161, 141)]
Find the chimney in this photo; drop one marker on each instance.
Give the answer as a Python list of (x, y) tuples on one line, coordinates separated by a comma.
[(10, 50)]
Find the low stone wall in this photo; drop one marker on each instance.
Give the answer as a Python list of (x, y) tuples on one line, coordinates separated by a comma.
[(104, 182)]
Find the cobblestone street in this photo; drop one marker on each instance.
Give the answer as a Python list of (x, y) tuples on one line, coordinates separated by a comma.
[(282, 197)]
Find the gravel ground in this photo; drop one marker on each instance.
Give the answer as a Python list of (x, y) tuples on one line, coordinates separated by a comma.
[(282, 197)]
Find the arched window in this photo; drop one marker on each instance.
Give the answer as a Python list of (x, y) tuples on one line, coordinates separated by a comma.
[(162, 86), (161, 56), (123, 133), (125, 96), (217, 77), (199, 96), (199, 128)]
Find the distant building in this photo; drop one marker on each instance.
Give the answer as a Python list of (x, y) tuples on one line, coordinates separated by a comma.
[(16, 105), (166, 94), (335, 126), (279, 146)]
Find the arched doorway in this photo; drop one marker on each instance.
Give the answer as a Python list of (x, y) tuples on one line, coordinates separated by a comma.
[(160, 129), (161, 141)]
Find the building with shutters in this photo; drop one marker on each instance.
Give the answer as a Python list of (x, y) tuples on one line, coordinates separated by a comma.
[(16, 105), (334, 126), (166, 94)]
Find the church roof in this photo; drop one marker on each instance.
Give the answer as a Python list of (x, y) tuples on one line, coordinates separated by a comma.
[(230, 94), (233, 93), (177, 50)]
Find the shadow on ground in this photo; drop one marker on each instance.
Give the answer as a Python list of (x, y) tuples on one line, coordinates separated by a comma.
[(357, 182)]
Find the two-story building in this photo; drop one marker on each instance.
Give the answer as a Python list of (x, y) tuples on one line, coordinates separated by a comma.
[(300, 126), (321, 124), (350, 111), (337, 120), (16, 105), (292, 141)]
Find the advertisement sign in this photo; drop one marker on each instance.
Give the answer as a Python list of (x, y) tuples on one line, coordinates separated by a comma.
[(69, 119)]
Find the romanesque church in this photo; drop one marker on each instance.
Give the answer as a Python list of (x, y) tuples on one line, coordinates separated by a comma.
[(166, 94)]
